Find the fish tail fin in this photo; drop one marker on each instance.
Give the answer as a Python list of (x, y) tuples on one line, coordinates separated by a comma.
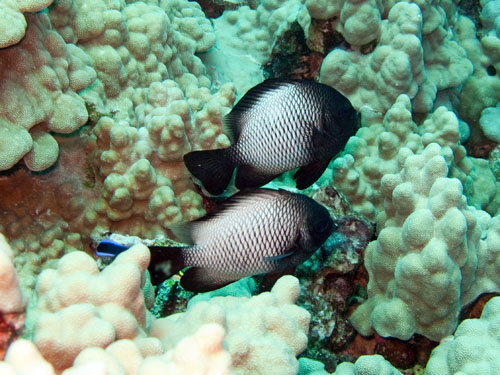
[(212, 167), (165, 262)]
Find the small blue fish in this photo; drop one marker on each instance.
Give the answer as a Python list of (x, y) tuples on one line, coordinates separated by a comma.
[(110, 248)]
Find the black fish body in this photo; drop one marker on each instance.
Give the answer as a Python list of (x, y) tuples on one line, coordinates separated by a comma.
[(279, 125), (253, 232)]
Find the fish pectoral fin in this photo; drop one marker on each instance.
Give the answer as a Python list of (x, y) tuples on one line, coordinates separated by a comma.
[(248, 177), (295, 247), (198, 279), (275, 258), (308, 174)]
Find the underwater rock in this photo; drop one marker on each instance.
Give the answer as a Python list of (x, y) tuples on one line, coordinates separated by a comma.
[(330, 279)]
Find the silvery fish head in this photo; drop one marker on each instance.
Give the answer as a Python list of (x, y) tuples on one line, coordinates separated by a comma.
[(318, 226)]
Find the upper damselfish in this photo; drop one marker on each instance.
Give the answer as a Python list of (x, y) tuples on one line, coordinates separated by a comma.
[(277, 126)]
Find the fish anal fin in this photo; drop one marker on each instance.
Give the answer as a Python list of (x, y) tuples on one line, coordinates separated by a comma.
[(198, 279), (269, 279), (249, 177), (308, 174)]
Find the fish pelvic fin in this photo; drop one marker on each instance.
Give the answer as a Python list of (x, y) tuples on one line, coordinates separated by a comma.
[(198, 279), (213, 168), (165, 262)]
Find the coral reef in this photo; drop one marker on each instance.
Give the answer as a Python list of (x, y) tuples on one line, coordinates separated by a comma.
[(85, 316), (13, 23), (12, 302), (40, 78), (472, 348), (409, 59), (100, 100), (421, 275)]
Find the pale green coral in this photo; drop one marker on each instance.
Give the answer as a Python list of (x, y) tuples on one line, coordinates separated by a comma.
[(39, 83), (473, 348), (364, 365), (373, 153), (414, 56), (482, 89), (433, 253), (12, 23), (140, 162)]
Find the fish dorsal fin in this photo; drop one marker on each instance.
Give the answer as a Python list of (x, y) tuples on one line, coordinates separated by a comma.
[(232, 122), (182, 232)]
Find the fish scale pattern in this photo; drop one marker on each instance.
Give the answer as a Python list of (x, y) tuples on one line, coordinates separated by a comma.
[(274, 125), (262, 230)]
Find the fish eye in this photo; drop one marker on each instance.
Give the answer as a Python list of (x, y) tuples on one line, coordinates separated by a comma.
[(322, 226)]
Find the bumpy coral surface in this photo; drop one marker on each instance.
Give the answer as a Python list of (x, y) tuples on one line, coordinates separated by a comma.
[(40, 78), (78, 307), (102, 98), (482, 88), (399, 64), (86, 317), (261, 329), (13, 24), (140, 162), (429, 258), (12, 300), (358, 21), (199, 354), (373, 153), (472, 349)]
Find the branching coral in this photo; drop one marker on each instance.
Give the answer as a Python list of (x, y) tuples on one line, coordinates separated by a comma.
[(261, 329), (357, 21), (373, 153), (133, 45), (482, 89), (140, 63), (140, 162)]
